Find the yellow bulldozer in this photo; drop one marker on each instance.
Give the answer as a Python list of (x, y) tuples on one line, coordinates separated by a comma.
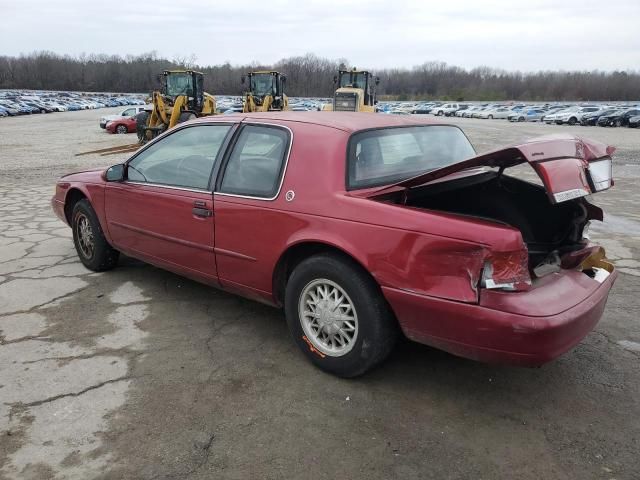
[(355, 92), (182, 98), (265, 93)]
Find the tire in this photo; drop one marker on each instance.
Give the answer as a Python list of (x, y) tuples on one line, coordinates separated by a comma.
[(122, 129), (373, 331), (186, 116), (572, 121), (440, 113), (618, 123), (490, 117), (142, 119), (92, 247), (521, 119)]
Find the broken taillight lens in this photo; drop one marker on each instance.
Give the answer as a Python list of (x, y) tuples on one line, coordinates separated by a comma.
[(601, 174), (507, 271)]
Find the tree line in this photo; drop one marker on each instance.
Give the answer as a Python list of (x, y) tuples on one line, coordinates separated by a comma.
[(312, 76)]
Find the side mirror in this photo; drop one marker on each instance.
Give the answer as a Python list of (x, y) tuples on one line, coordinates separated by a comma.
[(242, 79), (115, 173), (335, 79)]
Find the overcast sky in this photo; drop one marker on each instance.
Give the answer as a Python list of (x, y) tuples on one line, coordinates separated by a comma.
[(509, 34)]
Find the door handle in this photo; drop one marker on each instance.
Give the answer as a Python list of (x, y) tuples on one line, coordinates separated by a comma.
[(200, 209), (202, 212)]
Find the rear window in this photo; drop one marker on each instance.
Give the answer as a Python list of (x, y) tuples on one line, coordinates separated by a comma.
[(384, 156)]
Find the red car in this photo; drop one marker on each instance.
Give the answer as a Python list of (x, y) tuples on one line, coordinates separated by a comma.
[(363, 226), (122, 125)]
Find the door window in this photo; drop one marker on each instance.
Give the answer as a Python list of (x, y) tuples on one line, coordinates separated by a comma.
[(183, 159), (256, 163), (128, 112)]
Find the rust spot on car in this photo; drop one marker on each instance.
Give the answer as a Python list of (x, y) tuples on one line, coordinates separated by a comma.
[(312, 348)]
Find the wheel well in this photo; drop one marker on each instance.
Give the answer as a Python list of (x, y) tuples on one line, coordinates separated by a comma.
[(296, 254), (73, 196)]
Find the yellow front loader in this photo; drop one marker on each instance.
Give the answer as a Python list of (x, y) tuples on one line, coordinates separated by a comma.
[(355, 92), (182, 98), (266, 92)]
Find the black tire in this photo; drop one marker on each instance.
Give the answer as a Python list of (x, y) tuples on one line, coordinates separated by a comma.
[(490, 117), (141, 123), (572, 121), (122, 129), (186, 116), (521, 119), (377, 329), (618, 123), (102, 256)]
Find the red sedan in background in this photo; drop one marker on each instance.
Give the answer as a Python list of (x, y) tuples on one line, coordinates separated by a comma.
[(122, 125), (363, 226)]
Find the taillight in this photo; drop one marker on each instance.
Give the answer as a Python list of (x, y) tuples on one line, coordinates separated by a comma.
[(600, 173), (507, 271)]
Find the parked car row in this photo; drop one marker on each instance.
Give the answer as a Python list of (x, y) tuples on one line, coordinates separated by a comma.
[(600, 114), (21, 102)]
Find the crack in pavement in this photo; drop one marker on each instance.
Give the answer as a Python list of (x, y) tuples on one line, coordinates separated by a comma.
[(72, 394)]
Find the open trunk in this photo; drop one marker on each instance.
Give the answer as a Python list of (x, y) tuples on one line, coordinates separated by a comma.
[(547, 229), (551, 217)]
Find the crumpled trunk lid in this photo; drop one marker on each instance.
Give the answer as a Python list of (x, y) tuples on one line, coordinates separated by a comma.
[(568, 166)]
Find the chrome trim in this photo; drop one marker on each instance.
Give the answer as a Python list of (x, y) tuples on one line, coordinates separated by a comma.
[(284, 170), (170, 187)]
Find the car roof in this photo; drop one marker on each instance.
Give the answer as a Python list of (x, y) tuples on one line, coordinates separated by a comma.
[(346, 121)]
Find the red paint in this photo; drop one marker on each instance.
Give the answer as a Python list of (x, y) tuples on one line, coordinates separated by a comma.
[(129, 122), (428, 264)]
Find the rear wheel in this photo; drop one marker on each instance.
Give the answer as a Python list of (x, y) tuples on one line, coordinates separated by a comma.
[(186, 116), (121, 129), (618, 123), (94, 251), (572, 121), (521, 119), (490, 117), (141, 123), (337, 315)]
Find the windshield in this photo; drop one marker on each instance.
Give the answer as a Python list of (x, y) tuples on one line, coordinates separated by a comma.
[(384, 156), (179, 84), (353, 79), (262, 84)]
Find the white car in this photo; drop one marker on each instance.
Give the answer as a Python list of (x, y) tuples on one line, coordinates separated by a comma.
[(127, 112), (573, 117), (501, 112), (447, 109), (553, 117)]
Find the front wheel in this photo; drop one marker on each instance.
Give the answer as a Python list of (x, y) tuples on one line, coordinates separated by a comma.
[(94, 251), (122, 129), (338, 316)]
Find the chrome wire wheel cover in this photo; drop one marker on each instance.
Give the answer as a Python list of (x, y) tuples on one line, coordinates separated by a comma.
[(328, 317), (85, 236)]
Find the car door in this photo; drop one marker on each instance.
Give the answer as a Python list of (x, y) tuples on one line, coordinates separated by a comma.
[(163, 211), (247, 190)]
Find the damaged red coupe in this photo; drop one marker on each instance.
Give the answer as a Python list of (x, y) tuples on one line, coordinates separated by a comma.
[(363, 226)]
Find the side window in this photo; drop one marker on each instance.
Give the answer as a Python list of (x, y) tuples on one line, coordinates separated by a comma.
[(256, 163), (183, 159), (128, 112)]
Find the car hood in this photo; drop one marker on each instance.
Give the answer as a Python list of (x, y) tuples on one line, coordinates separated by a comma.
[(93, 175), (561, 161)]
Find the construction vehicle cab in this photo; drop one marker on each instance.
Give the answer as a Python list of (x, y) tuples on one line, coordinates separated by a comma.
[(181, 98), (355, 91), (266, 92)]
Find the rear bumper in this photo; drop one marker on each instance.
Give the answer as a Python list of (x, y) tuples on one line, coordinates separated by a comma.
[(491, 335)]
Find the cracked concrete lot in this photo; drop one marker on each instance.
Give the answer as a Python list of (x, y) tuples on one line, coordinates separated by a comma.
[(139, 374)]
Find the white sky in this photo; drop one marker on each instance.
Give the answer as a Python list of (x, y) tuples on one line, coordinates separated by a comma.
[(514, 35)]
